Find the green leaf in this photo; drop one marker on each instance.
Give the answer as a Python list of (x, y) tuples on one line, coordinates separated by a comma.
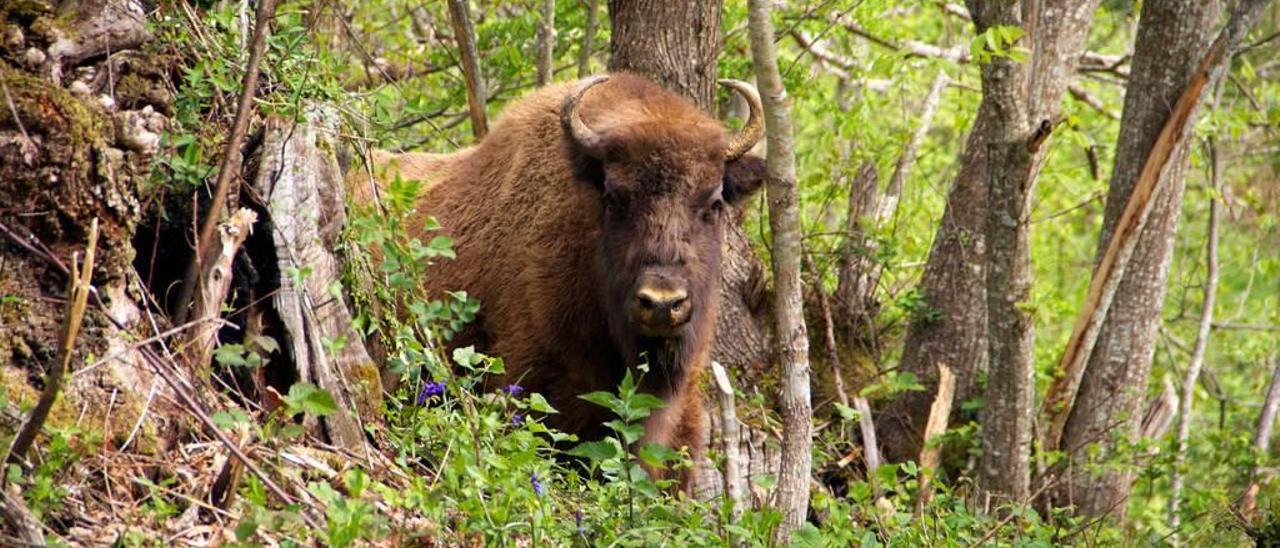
[(231, 355), (807, 536), (657, 455), (539, 404), (647, 402), (605, 400), (227, 420), (597, 450), (305, 397)]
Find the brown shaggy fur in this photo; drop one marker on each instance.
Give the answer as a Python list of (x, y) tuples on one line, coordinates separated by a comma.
[(551, 241)]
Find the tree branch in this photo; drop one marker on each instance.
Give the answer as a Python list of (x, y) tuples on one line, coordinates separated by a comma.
[(1197, 353), (229, 169)]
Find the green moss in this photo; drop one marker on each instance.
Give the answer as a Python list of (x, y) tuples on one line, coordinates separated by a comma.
[(25, 11)]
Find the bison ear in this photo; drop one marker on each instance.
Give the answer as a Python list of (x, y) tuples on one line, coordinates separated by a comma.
[(742, 178)]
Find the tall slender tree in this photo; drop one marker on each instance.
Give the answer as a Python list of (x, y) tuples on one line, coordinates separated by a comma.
[(788, 301)]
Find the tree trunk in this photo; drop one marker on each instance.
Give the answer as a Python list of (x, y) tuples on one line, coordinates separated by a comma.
[(675, 43), (1004, 472), (588, 38), (546, 42), (788, 301), (1171, 43), (465, 35), (951, 328)]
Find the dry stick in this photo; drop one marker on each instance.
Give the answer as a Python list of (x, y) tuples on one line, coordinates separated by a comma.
[(1087, 98), (1262, 443), (1062, 393), (229, 167), (584, 55), (193, 406), (729, 431), (1197, 353), (546, 41), (939, 413), (214, 284), (465, 35), (78, 289), (870, 449)]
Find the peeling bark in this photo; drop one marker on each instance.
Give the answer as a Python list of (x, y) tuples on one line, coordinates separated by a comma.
[(301, 183)]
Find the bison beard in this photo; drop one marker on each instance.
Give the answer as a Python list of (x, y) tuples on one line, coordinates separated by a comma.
[(588, 225)]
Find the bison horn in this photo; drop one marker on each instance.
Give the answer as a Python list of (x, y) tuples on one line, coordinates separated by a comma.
[(578, 130), (750, 134)]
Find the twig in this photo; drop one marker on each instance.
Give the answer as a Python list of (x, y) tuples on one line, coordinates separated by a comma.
[(1197, 354), (829, 334), (229, 168), (888, 206), (1083, 95), (78, 289), (28, 146)]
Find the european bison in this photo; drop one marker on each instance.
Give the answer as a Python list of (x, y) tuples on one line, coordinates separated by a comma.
[(588, 224)]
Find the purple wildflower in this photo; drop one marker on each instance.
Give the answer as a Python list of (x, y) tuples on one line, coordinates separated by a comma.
[(517, 419), (429, 389), (577, 518), (537, 485), (513, 390)]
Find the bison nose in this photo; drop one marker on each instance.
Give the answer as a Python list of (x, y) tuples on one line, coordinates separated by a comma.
[(663, 306)]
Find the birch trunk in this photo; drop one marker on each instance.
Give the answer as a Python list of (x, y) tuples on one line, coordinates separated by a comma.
[(784, 221)]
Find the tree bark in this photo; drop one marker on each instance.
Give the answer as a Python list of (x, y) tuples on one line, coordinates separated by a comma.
[(546, 42), (788, 301), (588, 38), (675, 43), (1168, 54), (465, 35), (1004, 472), (951, 327)]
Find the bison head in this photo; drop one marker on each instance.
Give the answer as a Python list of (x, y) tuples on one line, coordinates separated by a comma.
[(665, 173)]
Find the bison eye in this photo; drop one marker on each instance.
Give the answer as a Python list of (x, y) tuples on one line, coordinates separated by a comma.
[(712, 211)]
